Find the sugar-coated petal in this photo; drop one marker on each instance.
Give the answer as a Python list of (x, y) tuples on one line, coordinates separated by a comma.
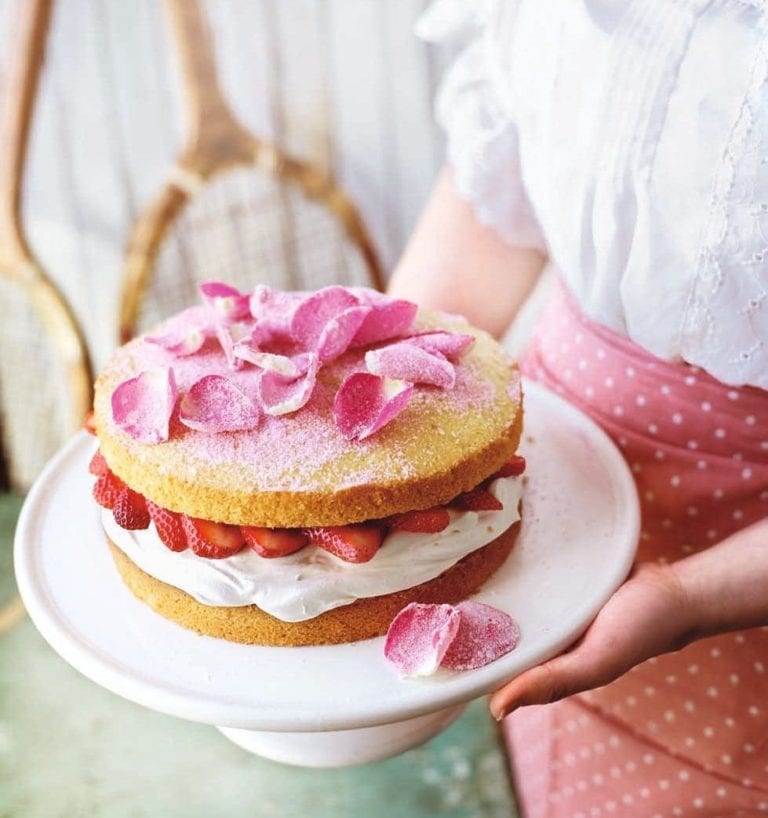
[(315, 311), (407, 362), (216, 404), (228, 303), (419, 636), (185, 333), (337, 334), (484, 634), (281, 395), (365, 403), (443, 342), (389, 318), (142, 406)]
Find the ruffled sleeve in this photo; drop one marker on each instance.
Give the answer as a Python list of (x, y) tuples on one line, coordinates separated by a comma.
[(480, 127)]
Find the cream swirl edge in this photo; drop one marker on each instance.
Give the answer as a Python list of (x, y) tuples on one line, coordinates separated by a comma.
[(305, 584)]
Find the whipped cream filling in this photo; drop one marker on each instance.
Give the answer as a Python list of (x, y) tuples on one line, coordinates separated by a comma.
[(311, 581)]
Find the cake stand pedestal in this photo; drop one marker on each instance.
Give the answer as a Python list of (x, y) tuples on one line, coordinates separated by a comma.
[(332, 705)]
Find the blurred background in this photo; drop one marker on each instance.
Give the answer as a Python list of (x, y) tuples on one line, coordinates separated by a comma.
[(116, 193)]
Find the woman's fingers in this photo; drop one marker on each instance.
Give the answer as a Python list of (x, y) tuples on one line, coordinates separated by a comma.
[(645, 617)]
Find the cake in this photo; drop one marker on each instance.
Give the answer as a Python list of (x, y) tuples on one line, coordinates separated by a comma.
[(291, 468)]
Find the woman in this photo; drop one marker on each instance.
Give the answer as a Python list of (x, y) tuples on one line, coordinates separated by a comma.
[(627, 143)]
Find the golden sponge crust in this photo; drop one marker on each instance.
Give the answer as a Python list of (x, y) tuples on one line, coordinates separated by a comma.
[(297, 471), (362, 619)]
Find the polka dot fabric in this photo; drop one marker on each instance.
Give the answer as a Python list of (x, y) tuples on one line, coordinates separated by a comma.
[(685, 734)]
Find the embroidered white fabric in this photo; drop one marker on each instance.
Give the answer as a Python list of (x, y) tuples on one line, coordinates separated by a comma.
[(630, 140)]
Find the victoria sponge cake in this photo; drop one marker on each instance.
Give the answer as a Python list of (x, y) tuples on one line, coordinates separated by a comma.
[(294, 468)]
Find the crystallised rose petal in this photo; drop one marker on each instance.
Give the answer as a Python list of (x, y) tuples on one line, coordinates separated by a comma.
[(365, 403), (216, 404), (443, 342), (281, 395), (228, 303), (484, 634), (184, 334), (338, 333), (389, 318), (406, 362), (142, 406), (315, 311), (419, 637)]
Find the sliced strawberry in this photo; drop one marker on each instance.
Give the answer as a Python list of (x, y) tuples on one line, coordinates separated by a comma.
[(214, 541), (476, 500), (107, 489), (274, 542), (426, 521), (514, 467), (90, 423), (351, 543), (169, 527), (98, 464), (130, 510)]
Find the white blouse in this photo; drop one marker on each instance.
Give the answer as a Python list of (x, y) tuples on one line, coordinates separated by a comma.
[(630, 139)]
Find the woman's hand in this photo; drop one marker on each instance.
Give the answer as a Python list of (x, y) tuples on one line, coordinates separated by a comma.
[(648, 615), (657, 610)]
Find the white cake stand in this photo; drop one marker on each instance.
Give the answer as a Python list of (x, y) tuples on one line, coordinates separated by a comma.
[(344, 704)]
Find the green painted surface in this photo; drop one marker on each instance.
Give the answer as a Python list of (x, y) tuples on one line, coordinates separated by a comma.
[(69, 748)]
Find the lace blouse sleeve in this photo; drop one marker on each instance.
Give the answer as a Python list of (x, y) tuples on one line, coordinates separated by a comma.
[(482, 138)]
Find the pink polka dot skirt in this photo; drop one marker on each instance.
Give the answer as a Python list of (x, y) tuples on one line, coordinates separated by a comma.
[(685, 734)]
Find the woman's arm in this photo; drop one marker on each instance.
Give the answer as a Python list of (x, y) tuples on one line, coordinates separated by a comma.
[(658, 610), (454, 263)]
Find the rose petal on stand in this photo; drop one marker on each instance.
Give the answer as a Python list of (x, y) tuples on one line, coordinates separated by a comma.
[(142, 406), (281, 395), (228, 303), (484, 634), (443, 342), (365, 403), (389, 318), (215, 404), (315, 311), (406, 362), (419, 637), (337, 334), (184, 334)]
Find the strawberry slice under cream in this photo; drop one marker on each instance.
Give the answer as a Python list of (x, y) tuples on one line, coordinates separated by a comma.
[(303, 585)]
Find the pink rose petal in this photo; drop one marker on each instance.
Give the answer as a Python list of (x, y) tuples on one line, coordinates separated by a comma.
[(337, 334), (407, 362), (419, 636), (443, 342), (484, 634), (142, 406), (274, 307), (281, 395), (184, 334), (315, 311), (365, 403), (216, 404), (389, 318), (228, 303)]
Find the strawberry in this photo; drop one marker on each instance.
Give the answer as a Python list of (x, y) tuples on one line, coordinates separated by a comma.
[(130, 510), (90, 423), (425, 521), (169, 526), (351, 543), (274, 542), (476, 500), (211, 540), (512, 468), (98, 464), (107, 489)]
